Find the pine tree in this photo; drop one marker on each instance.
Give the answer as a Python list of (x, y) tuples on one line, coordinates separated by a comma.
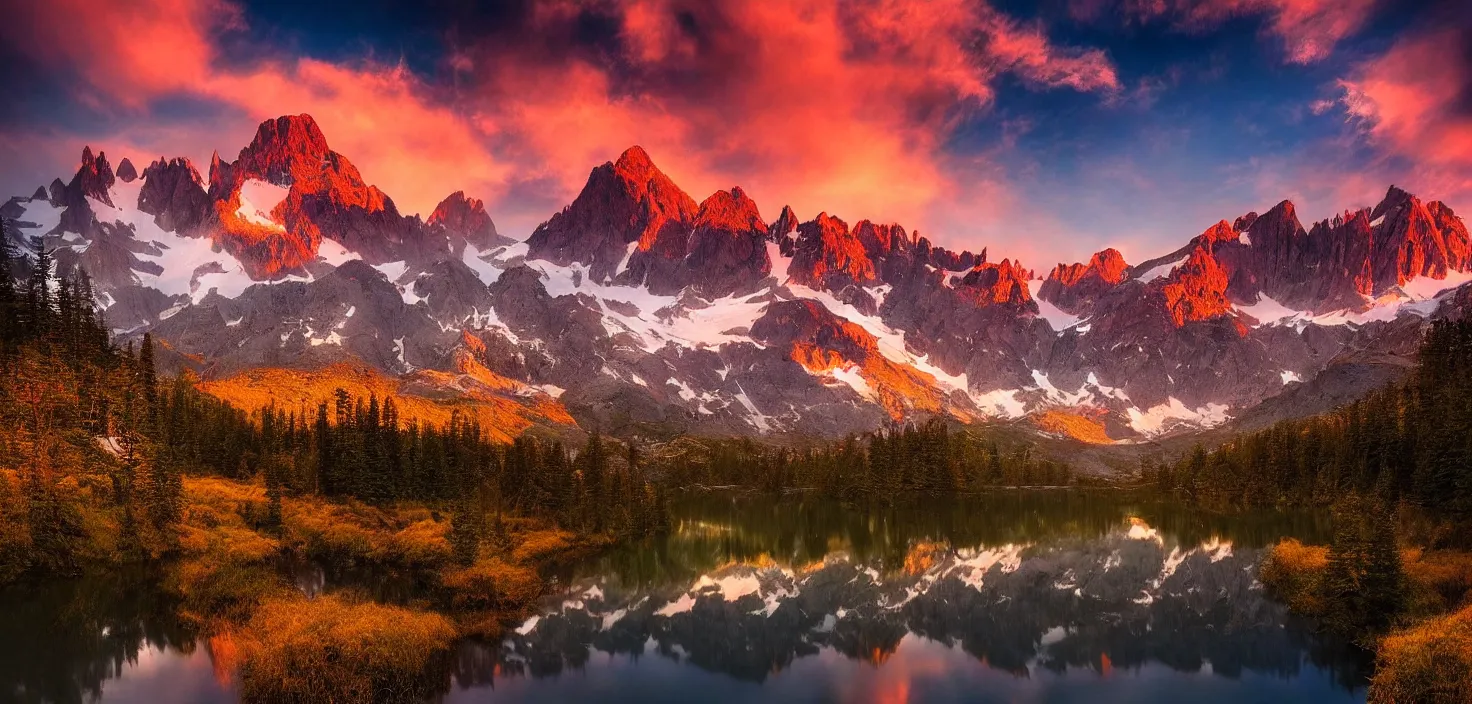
[(465, 531), (38, 303), (148, 377), (1363, 584)]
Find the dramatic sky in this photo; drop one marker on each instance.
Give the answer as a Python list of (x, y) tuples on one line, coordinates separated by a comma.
[(1041, 130)]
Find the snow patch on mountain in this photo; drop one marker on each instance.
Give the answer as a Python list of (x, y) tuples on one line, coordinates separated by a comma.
[(257, 200), (180, 257), (42, 216), (1164, 417), (1268, 311), (850, 375), (1055, 316), (1161, 271)]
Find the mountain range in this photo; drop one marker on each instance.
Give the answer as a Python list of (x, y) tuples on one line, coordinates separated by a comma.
[(637, 310)]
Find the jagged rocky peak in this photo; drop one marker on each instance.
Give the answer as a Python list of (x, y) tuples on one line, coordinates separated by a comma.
[(1197, 290), (56, 191), (726, 251), (125, 172), (880, 240), (1412, 241), (785, 224), (465, 221), (40, 194), (95, 177), (1107, 265), (942, 258), (1222, 231), (826, 255), (285, 149), (731, 210), (1394, 198), (1075, 287), (174, 194), (1276, 229), (1003, 282), (1242, 224), (623, 203)]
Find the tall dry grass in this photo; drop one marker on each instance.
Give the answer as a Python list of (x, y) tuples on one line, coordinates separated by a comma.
[(1430, 663), (1294, 571), (332, 650)]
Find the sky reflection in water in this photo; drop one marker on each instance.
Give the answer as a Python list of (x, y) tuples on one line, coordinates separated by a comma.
[(1013, 597)]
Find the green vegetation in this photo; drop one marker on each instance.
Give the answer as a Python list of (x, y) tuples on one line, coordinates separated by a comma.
[(925, 457), (1411, 441)]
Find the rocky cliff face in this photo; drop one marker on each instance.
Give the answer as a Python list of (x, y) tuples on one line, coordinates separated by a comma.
[(1075, 287), (629, 211), (465, 221), (641, 311), (174, 194)]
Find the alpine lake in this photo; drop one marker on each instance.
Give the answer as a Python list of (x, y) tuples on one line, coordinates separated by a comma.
[(1066, 596)]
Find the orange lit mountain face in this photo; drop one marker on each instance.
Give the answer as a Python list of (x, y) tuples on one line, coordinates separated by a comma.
[(636, 307), (428, 397)]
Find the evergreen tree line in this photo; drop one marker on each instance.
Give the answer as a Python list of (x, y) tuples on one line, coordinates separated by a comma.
[(930, 456), (356, 447), (1410, 441)]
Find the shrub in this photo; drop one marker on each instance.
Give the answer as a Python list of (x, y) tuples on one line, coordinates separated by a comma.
[(490, 583), (1294, 571), (328, 649), (354, 531), (1440, 580), (1429, 663), (537, 545)]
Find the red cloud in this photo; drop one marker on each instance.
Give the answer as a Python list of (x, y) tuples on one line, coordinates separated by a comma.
[(836, 105), (1413, 99), (842, 107), (128, 51)]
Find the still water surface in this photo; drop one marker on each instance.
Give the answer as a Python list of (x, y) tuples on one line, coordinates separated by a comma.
[(1044, 596)]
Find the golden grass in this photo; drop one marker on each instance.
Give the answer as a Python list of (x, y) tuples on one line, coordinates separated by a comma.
[(1294, 571), (355, 531), (1431, 662), (491, 583), (329, 649), (430, 397), (538, 545), (223, 570), (1440, 580)]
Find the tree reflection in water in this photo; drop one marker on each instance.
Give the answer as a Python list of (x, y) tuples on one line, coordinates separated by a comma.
[(1024, 583), (799, 598)]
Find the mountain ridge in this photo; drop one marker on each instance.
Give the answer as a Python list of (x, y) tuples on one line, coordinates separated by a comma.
[(640, 310)]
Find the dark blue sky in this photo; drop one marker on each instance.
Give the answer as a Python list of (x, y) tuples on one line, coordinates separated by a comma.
[(1043, 130)]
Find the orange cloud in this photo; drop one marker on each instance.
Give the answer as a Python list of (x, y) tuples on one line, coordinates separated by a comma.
[(1412, 104), (129, 52), (842, 107), (1413, 99), (835, 105)]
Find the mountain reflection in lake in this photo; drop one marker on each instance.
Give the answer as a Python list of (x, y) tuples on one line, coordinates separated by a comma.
[(1026, 596), (1040, 596)]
